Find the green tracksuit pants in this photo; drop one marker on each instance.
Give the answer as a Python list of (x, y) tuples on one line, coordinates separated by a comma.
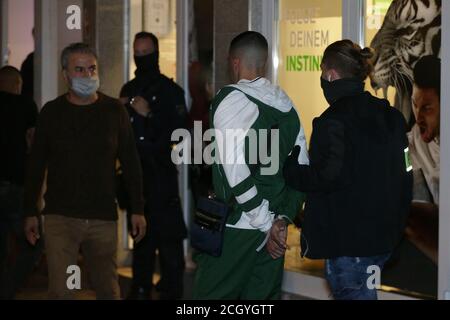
[(240, 272)]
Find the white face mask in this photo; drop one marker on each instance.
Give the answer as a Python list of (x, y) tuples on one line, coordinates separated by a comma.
[(85, 87)]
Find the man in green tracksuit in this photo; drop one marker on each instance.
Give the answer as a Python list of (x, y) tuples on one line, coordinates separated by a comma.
[(251, 264)]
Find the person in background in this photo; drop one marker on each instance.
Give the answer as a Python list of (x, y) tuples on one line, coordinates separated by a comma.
[(200, 78), (200, 88), (79, 137), (156, 108), (17, 121)]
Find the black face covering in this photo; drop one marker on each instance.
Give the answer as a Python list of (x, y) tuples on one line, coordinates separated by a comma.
[(148, 64), (334, 90)]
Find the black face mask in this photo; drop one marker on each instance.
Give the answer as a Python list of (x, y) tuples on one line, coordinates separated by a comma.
[(148, 64), (334, 90)]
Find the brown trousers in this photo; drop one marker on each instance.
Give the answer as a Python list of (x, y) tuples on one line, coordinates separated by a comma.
[(97, 239)]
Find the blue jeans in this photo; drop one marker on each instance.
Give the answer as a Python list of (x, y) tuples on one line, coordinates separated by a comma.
[(348, 276)]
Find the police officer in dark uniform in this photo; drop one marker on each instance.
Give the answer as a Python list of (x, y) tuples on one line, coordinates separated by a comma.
[(156, 107)]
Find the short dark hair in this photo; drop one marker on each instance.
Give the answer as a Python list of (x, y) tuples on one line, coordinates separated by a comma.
[(147, 35), (77, 47), (251, 41), (427, 73), (348, 59)]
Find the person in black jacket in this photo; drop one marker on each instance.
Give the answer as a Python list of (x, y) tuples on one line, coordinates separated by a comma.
[(156, 108), (358, 183), (18, 116)]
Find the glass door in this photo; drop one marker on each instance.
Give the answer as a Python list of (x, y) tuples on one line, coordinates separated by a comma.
[(305, 29), (401, 34)]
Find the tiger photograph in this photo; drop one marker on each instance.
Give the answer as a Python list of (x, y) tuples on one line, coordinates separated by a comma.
[(411, 29), (407, 52)]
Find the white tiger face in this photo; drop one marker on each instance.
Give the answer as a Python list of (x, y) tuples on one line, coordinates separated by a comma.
[(411, 29)]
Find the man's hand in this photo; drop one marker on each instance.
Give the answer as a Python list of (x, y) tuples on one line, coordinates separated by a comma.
[(32, 229), (276, 245), (140, 105), (139, 225)]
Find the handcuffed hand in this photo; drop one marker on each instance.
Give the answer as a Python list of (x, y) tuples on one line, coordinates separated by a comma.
[(276, 245)]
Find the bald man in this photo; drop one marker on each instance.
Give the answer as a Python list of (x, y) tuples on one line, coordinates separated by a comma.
[(10, 80), (252, 259), (17, 120)]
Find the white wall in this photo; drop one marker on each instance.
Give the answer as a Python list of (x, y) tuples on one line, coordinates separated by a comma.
[(20, 25)]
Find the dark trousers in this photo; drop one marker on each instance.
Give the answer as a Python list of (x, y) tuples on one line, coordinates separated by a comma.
[(17, 257), (171, 259)]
